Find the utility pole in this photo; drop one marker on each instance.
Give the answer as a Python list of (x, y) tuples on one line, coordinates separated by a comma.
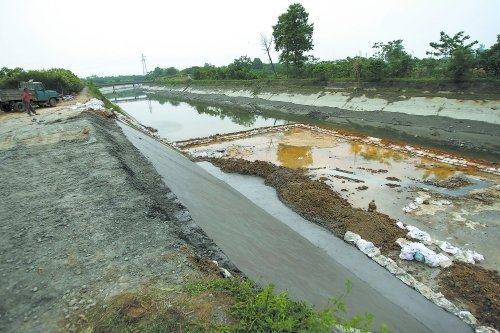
[(144, 69)]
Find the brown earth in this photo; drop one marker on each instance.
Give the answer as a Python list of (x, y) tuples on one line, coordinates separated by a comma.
[(85, 217), (469, 285), (476, 287)]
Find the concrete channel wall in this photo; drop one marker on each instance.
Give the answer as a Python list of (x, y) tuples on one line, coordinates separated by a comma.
[(480, 110)]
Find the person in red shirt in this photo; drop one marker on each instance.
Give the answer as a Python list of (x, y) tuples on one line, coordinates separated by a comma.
[(26, 97)]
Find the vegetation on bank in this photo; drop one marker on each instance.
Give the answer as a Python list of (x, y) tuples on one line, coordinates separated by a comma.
[(61, 80), (217, 305), (457, 64), (453, 58)]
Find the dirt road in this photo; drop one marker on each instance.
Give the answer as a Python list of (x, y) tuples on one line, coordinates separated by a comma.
[(83, 217)]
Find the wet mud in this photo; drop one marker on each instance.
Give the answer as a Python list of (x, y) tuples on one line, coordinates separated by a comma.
[(476, 287)]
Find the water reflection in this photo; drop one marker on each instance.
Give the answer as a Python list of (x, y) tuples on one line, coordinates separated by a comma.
[(236, 115), (374, 153), (439, 171), (294, 157), (177, 120)]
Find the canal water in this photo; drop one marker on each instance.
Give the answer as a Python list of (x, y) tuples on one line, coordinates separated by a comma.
[(177, 121), (358, 171)]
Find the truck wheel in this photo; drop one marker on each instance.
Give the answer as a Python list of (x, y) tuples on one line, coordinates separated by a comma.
[(52, 101), (6, 107), (19, 106)]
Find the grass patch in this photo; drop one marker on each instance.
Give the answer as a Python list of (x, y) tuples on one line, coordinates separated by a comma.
[(216, 305)]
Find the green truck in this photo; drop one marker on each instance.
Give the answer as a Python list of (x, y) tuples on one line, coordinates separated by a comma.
[(10, 99)]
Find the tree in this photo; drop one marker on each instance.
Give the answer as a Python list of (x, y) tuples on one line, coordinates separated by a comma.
[(428, 67), (241, 69), (257, 64), (490, 59), (447, 45), (399, 62), (266, 43), (457, 51), (323, 70), (460, 64), (171, 71), (373, 69), (293, 36)]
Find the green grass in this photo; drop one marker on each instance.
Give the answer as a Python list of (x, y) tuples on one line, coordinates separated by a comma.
[(216, 305)]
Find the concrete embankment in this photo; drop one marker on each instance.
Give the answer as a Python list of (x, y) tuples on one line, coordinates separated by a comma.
[(480, 110), (461, 126)]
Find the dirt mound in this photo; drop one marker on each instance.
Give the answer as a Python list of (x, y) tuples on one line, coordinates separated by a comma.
[(315, 201), (451, 182), (476, 287)]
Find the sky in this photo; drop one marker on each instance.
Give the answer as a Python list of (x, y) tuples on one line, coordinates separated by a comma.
[(109, 37)]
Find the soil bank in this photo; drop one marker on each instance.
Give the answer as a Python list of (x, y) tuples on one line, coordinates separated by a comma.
[(84, 217)]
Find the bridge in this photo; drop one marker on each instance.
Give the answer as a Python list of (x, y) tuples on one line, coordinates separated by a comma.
[(124, 83)]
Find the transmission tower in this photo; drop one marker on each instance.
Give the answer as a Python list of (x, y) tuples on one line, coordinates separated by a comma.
[(144, 69)]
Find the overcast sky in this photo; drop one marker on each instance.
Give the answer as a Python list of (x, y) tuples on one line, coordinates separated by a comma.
[(108, 37)]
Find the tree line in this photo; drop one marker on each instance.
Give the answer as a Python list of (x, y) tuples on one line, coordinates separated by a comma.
[(58, 79), (453, 57)]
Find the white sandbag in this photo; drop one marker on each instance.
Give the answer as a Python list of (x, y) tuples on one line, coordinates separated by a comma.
[(410, 250), (371, 251), (486, 329), (469, 256), (363, 244), (467, 317), (448, 248), (93, 104), (407, 253), (351, 237), (444, 261), (416, 233)]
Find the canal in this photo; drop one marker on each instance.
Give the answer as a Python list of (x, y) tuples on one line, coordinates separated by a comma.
[(357, 170)]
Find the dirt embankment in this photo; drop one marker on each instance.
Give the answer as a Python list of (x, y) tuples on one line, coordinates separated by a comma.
[(84, 216)]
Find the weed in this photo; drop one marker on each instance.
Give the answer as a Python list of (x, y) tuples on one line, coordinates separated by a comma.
[(234, 305)]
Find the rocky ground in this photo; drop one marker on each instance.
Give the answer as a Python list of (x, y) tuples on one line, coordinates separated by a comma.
[(84, 217)]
